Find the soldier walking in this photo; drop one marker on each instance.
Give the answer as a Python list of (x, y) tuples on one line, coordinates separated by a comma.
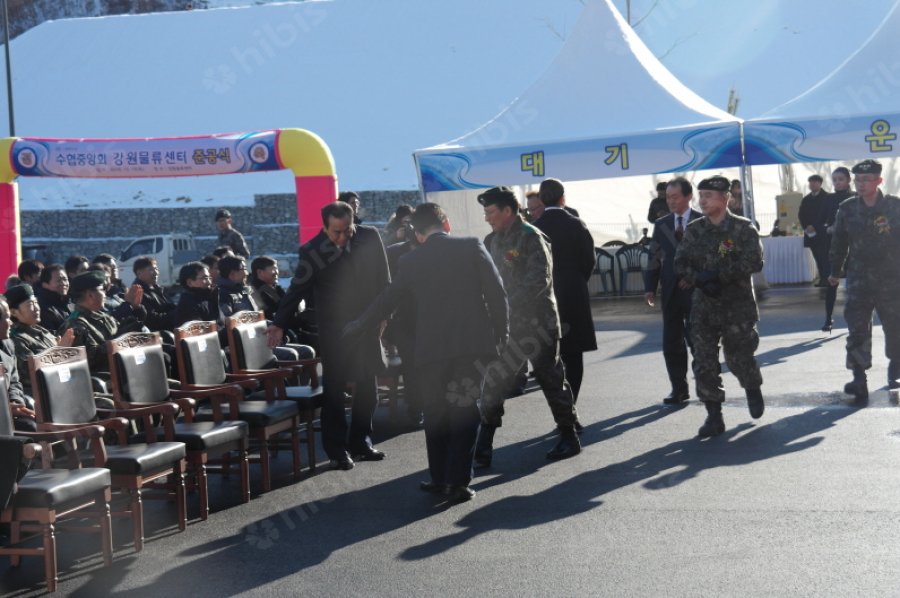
[(522, 256), (866, 249), (717, 257), (230, 236)]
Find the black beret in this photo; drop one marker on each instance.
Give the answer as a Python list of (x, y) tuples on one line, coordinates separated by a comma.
[(91, 279), (815, 177), (868, 167), (715, 183), (223, 214), (499, 196), (18, 295)]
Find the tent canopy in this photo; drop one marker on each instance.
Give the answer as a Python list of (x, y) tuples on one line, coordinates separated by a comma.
[(854, 112), (605, 107)]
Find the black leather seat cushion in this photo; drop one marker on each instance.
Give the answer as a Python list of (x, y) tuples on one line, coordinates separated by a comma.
[(133, 459), (257, 413), (56, 487), (206, 435), (306, 397)]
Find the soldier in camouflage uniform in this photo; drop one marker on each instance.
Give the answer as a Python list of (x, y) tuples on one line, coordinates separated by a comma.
[(522, 256), (866, 249), (718, 255), (229, 236)]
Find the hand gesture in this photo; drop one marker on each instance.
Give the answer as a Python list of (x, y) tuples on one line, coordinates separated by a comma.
[(134, 295), (67, 338), (274, 334)]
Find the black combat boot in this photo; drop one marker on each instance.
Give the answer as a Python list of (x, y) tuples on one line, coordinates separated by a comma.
[(858, 386), (755, 402), (568, 445), (484, 446), (714, 424), (894, 375)]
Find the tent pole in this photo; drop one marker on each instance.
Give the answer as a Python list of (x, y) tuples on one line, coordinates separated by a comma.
[(747, 182)]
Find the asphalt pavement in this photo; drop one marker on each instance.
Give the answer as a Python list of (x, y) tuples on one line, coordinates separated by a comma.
[(802, 502)]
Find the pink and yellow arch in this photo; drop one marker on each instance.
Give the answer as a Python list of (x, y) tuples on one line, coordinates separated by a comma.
[(301, 151)]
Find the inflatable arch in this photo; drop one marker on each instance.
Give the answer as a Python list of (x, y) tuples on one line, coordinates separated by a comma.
[(303, 152)]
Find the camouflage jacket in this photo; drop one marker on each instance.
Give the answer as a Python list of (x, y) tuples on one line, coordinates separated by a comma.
[(92, 330), (732, 252), (866, 243), (232, 238), (29, 340), (522, 256)]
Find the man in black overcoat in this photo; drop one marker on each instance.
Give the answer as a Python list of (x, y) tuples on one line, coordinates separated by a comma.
[(676, 300), (461, 318), (343, 268), (572, 247)]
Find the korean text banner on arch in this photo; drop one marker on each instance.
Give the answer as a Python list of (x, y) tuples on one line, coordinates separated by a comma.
[(132, 158)]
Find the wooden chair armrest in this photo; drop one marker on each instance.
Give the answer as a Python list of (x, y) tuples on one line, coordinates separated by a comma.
[(145, 413), (244, 380), (187, 405), (233, 394), (66, 435), (31, 450)]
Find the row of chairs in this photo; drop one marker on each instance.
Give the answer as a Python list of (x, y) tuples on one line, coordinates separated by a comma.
[(630, 259), (98, 463)]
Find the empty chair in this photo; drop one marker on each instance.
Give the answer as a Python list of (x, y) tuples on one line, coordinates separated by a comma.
[(138, 369), (200, 366), (60, 380), (631, 259), (46, 500), (604, 270)]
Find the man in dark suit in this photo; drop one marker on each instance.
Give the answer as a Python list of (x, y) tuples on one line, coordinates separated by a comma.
[(572, 247), (343, 268), (461, 318), (676, 299), (813, 216)]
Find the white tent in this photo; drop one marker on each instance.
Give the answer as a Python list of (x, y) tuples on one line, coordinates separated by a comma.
[(374, 79), (854, 113), (606, 107)]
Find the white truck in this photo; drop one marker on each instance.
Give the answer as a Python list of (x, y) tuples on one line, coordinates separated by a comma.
[(171, 252)]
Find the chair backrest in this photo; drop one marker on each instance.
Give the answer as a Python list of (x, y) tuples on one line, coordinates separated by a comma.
[(632, 258), (138, 368), (614, 243), (6, 419), (199, 353), (605, 260), (248, 342), (61, 382)]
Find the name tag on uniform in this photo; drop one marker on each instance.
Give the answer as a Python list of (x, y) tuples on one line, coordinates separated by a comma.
[(65, 374)]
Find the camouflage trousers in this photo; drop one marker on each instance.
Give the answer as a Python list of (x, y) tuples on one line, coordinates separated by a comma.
[(738, 341), (861, 303), (542, 350)]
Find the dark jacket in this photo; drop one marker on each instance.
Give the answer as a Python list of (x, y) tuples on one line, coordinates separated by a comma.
[(661, 267), (197, 304), (54, 308), (813, 212), (572, 247), (342, 284), (267, 297), (159, 308), (234, 297), (460, 304), (8, 359)]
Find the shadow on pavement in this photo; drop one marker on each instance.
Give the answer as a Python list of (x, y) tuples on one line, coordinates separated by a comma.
[(689, 458)]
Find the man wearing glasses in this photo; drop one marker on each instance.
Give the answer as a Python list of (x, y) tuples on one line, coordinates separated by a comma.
[(866, 249)]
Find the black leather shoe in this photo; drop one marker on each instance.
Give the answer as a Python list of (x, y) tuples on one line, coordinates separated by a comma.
[(432, 487), (713, 426), (368, 454), (344, 462), (755, 403), (677, 397), (458, 494), (568, 446)]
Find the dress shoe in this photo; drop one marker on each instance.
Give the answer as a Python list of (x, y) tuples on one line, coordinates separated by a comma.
[(714, 424), (458, 494), (367, 453), (755, 402), (677, 397), (568, 445), (432, 487), (344, 462)]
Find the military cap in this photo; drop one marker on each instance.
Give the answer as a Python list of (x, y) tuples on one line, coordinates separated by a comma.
[(18, 295), (223, 214), (868, 167), (499, 196), (715, 183), (91, 279)]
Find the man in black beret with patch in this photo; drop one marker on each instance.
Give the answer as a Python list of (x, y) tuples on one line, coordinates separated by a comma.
[(230, 236), (866, 249), (522, 255), (717, 258)]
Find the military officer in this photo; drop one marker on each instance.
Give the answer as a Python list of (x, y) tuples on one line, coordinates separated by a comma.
[(521, 254), (230, 236), (28, 336), (717, 257), (866, 249)]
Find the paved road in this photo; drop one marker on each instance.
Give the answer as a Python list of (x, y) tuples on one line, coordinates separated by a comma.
[(803, 502)]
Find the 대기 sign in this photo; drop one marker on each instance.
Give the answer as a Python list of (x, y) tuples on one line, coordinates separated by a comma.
[(135, 158)]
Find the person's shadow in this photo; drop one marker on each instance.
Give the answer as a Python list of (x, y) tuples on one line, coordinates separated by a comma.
[(582, 492)]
